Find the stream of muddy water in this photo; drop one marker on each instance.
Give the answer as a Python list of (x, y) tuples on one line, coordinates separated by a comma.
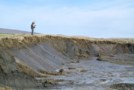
[(91, 75)]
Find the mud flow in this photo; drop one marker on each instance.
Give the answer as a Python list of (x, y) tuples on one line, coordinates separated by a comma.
[(91, 75)]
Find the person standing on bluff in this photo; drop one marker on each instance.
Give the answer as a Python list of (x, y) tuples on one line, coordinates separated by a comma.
[(32, 27)]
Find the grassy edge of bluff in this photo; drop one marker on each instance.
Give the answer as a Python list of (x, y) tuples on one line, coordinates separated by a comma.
[(19, 41)]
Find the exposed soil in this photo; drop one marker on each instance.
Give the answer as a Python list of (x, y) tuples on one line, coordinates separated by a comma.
[(123, 86), (65, 63)]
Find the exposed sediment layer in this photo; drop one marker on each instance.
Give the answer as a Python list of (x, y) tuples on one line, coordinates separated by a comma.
[(22, 58), (123, 86)]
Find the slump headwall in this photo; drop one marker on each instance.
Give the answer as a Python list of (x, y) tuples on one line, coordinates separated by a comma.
[(30, 56)]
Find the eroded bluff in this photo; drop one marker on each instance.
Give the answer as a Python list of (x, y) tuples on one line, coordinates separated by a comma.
[(23, 58)]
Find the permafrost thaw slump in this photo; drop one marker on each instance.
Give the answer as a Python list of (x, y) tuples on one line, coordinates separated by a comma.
[(24, 58)]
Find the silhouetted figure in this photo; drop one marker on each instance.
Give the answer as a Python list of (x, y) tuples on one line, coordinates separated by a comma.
[(32, 27)]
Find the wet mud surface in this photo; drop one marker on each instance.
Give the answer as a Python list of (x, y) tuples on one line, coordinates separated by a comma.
[(91, 75)]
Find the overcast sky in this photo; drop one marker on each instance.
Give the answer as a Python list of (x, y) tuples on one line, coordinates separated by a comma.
[(93, 18)]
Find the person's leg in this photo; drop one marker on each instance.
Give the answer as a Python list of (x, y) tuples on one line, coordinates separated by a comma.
[(32, 31)]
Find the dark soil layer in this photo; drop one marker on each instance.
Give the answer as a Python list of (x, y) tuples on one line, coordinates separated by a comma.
[(123, 86)]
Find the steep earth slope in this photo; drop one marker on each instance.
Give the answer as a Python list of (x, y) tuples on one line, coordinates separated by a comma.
[(23, 58)]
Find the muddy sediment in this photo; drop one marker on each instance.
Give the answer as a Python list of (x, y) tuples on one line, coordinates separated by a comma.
[(123, 86), (23, 59)]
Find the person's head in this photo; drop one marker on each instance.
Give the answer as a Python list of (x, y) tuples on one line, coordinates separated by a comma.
[(33, 22)]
